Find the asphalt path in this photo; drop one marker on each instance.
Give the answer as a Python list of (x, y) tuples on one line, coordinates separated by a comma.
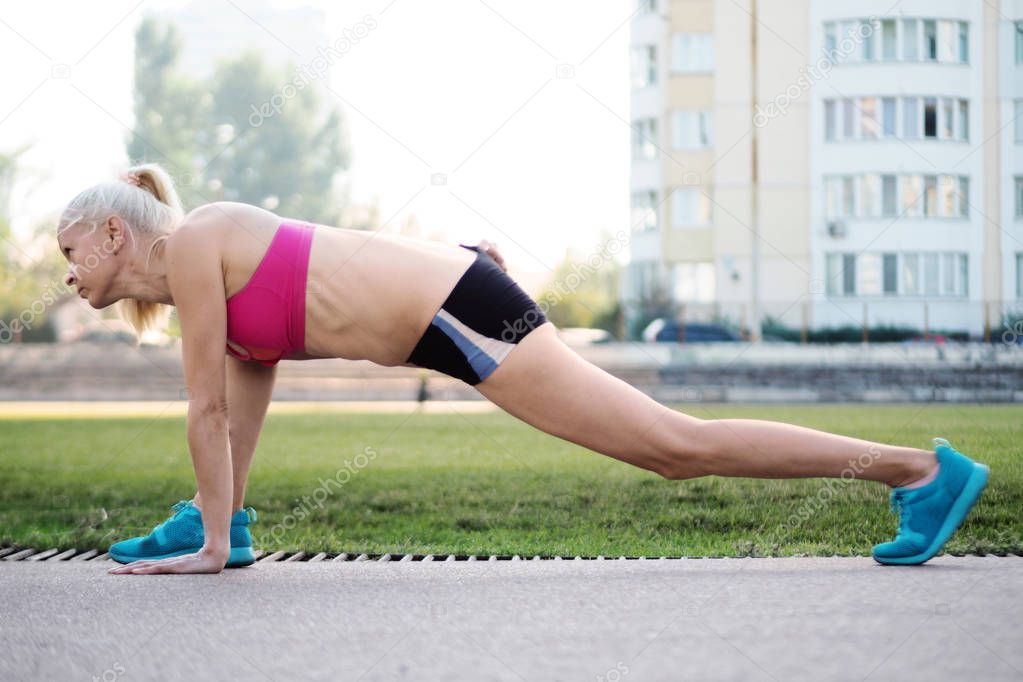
[(839, 618)]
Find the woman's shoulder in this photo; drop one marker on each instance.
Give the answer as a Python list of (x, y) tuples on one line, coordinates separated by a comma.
[(229, 213), (224, 223)]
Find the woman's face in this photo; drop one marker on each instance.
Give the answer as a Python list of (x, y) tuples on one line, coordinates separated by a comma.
[(92, 260)]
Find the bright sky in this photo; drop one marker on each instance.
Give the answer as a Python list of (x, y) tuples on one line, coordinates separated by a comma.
[(534, 162)]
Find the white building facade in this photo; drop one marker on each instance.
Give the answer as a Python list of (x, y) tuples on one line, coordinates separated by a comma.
[(839, 162)]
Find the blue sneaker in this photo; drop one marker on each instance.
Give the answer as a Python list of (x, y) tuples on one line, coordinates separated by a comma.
[(928, 515), (182, 534)]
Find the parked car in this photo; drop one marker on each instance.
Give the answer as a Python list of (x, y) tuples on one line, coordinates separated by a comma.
[(667, 330)]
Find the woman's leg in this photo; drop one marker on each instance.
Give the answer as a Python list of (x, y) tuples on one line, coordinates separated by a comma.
[(548, 385)]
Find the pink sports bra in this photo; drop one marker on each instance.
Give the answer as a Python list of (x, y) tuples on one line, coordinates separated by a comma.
[(267, 316)]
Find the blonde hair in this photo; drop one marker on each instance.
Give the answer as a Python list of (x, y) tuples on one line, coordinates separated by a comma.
[(146, 200)]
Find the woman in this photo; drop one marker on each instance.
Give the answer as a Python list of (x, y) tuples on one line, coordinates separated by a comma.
[(261, 288)]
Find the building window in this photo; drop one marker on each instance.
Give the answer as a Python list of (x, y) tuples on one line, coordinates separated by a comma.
[(832, 273), (1017, 122), (948, 41), (1019, 42), (830, 43), (647, 277), (646, 6), (849, 274), (930, 278), (964, 271), (930, 117), (693, 282), (930, 196), (834, 279), (910, 40), (949, 196), (868, 269), (848, 196), (869, 186), (912, 190), (930, 40), (944, 196), (868, 118), (888, 40), (690, 207), (948, 118), (889, 196), (833, 197), (939, 40), (910, 274), (691, 129), (867, 30), (692, 52), (848, 118), (1019, 274), (644, 210), (911, 118), (1019, 196), (644, 66), (873, 195), (948, 274), (890, 274), (644, 139), (888, 117), (849, 31), (934, 274)]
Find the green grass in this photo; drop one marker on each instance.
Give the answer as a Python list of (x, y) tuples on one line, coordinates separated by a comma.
[(488, 484)]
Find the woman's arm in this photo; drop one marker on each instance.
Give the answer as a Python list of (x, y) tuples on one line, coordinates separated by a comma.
[(249, 387), (195, 278)]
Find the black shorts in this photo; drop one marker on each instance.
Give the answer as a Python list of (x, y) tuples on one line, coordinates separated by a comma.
[(478, 324)]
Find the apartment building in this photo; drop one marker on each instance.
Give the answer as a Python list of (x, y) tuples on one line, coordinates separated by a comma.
[(827, 163)]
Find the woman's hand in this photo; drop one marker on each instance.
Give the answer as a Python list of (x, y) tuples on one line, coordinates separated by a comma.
[(491, 250), (203, 561)]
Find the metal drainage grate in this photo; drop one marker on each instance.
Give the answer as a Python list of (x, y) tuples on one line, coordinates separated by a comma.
[(54, 554)]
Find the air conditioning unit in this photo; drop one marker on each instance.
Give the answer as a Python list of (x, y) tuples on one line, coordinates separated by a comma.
[(836, 229)]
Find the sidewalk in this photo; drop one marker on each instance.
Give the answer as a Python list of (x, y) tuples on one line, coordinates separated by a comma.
[(834, 618)]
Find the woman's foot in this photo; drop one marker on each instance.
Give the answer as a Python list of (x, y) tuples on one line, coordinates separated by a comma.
[(930, 511), (182, 533)]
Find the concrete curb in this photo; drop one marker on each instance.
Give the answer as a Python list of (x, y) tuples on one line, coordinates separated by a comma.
[(55, 554)]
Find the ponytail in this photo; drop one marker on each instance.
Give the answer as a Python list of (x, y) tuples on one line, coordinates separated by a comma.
[(157, 181)]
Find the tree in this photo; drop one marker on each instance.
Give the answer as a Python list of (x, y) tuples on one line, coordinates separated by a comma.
[(205, 132), (171, 110), (288, 160), (29, 284), (583, 292), (8, 172)]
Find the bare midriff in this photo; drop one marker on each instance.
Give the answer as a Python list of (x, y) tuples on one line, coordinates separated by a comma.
[(369, 295)]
